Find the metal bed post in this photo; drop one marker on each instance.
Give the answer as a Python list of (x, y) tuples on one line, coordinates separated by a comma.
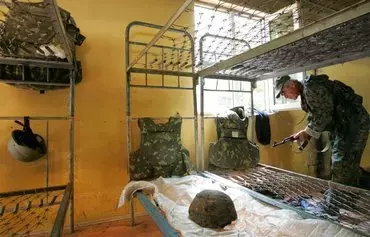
[(128, 114), (71, 145), (146, 70), (201, 88), (253, 86)]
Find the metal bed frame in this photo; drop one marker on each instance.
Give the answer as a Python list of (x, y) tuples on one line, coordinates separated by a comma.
[(67, 202), (268, 55), (130, 70)]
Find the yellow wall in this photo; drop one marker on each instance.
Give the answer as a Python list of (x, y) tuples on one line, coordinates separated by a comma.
[(100, 156)]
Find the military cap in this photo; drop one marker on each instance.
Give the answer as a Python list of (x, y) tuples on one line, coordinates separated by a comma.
[(280, 84)]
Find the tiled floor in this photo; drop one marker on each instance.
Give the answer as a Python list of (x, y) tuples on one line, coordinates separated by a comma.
[(145, 226)]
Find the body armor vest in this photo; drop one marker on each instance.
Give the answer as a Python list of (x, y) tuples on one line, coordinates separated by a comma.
[(161, 152)]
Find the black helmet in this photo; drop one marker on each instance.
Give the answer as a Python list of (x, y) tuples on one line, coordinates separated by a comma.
[(24, 145)]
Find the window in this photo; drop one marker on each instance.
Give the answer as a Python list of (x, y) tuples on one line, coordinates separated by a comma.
[(245, 28), (219, 101)]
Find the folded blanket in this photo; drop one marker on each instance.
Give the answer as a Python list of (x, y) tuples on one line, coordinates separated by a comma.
[(134, 186)]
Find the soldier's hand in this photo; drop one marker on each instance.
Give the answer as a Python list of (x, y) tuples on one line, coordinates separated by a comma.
[(301, 136)]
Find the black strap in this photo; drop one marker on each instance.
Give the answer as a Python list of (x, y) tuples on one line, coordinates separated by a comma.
[(263, 129)]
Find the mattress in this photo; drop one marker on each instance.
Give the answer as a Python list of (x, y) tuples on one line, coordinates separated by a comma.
[(174, 195)]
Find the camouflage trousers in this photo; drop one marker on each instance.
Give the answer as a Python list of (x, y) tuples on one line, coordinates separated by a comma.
[(347, 149)]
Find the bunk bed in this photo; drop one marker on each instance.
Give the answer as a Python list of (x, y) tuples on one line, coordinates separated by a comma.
[(341, 36), (42, 41)]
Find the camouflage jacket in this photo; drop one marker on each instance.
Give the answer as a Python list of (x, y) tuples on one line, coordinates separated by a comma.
[(329, 104)]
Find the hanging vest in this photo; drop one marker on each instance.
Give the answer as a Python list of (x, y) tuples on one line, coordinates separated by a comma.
[(233, 149), (161, 152)]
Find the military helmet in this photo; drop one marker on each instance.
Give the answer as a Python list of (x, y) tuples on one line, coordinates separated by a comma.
[(24, 145), (212, 209)]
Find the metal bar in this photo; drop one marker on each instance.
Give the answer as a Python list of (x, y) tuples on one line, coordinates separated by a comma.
[(241, 91), (233, 39), (215, 54), (228, 77), (202, 39), (150, 25), (146, 67), (162, 72), (158, 46), (330, 183), (208, 5), (132, 211), (161, 32), (72, 145), (128, 95), (202, 81), (47, 157), (178, 68), (195, 101), (253, 84), (27, 207), (33, 118), (159, 118), (159, 219), (32, 191), (256, 195), (320, 6), (62, 211), (47, 75), (322, 64), (162, 66), (33, 83), (35, 63), (163, 87), (337, 18), (59, 27), (23, 73)]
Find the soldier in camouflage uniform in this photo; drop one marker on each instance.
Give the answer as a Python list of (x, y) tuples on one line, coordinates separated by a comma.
[(332, 106)]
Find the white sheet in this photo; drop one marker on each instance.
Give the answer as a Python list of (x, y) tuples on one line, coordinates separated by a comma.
[(254, 218), (134, 186)]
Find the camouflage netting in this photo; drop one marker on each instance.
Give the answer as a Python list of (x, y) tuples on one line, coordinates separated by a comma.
[(28, 32), (212, 209), (233, 150), (161, 152)]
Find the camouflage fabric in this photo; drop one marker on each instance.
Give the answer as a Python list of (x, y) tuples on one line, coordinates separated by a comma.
[(212, 209), (347, 149), (233, 149), (39, 74), (161, 152), (334, 107), (28, 32)]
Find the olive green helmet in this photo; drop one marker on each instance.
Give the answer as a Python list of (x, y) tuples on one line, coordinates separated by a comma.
[(212, 209)]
